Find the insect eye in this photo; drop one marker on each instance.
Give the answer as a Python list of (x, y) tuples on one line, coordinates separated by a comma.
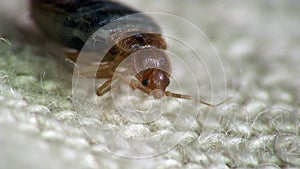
[(145, 82)]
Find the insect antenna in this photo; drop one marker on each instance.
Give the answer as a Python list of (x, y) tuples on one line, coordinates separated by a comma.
[(188, 97)]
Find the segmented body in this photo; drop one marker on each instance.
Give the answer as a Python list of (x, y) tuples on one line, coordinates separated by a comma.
[(73, 22)]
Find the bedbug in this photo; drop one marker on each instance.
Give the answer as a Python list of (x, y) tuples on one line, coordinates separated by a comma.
[(72, 22)]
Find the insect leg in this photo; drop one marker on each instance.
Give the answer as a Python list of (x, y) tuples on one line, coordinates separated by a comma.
[(104, 70), (104, 88), (72, 54), (133, 83)]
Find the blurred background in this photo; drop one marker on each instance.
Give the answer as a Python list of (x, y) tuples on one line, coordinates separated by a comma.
[(258, 45)]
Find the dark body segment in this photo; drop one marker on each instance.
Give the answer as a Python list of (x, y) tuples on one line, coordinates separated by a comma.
[(72, 22)]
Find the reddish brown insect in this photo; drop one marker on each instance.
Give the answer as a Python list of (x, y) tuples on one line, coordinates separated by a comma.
[(72, 22)]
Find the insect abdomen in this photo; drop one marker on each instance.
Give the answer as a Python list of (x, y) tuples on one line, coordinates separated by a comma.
[(72, 22)]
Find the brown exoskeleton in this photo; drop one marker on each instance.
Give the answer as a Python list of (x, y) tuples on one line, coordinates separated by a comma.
[(72, 22)]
